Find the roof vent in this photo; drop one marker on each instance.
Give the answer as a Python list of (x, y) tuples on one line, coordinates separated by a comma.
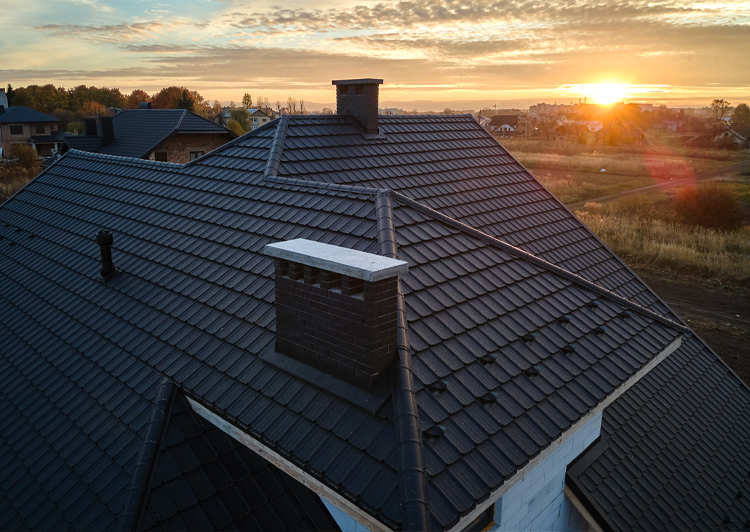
[(336, 308), (105, 241), (359, 98), (144, 105)]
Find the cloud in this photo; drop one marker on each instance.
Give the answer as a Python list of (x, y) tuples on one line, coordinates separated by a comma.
[(115, 33)]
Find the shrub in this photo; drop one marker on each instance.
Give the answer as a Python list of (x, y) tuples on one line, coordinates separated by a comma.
[(711, 206), (23, 155), (75, 127), (235, 127)]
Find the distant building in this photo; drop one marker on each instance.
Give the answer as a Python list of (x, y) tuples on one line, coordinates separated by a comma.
[(168, 135), (22, 125), (504, 125)]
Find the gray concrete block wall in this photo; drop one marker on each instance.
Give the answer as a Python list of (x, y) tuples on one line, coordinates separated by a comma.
[(538, 501)]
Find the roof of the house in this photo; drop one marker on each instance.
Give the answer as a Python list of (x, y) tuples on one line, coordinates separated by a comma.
[(56, 136), (17, 114), (138, 132), (499, 120), (675, 450), (194, 302)]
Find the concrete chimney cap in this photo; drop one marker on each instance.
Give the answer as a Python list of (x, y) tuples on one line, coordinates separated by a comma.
[(365, 81), (344, 261)]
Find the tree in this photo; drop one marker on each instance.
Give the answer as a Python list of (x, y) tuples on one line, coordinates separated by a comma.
[(247, 101), (712, 206), (137, 97), (235, 127), (10, 93), (92, 109), (24, 98), (326, 111), (302, 107), (741, 119), (291, 105), (242, 117), (186, 101), (64, 116), (719, 107), (167, 98), (75, 127)]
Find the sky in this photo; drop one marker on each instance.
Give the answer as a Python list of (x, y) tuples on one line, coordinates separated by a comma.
[(431, 54)]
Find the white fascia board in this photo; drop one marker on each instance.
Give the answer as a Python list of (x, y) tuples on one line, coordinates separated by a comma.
[(307, 480), (543, 455)]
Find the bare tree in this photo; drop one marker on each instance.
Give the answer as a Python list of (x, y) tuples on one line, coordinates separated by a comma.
[(720, 107)]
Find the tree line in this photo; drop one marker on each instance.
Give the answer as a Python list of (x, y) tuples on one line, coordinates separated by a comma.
[(71, 105)]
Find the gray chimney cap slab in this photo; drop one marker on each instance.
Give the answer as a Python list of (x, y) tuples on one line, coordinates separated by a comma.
[(363, 81), (357, 264)]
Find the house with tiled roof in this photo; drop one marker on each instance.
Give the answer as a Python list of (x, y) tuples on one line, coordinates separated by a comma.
[(167, 135), (355, 321), (23, 125)]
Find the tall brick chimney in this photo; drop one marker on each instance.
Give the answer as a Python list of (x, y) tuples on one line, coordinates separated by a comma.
[(336, 308), (359, 98)]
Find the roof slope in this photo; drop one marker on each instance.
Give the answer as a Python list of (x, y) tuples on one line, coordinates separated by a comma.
[(674, 452), (206, 480), (18, 114), (453, 165)]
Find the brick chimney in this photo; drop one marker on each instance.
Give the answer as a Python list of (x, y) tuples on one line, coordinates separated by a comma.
[(359, 98), (336, 308)]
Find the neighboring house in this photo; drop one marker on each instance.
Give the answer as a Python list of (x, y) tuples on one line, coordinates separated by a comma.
[(732, 136), (258, 119), (563, 132), (504, 125), (22, 125), (167, 135), (389, 310), (671, 125)]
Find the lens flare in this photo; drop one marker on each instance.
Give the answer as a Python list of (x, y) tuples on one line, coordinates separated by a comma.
[(606, 93)]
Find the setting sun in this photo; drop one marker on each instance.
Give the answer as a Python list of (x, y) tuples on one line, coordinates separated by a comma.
[(606, 93)]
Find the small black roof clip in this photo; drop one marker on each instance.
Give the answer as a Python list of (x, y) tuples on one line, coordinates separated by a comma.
[(434, 432), (438, 386), (625, 314), (488, 358), (533, 371), (489, 397), (601, 329), (570, 348), (564, 318), (594, 303), (528, 337)]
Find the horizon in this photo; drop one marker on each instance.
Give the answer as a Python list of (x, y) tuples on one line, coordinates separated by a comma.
[(430, 53)]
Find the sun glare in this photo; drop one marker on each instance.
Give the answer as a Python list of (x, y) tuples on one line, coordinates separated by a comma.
[(606, 93)]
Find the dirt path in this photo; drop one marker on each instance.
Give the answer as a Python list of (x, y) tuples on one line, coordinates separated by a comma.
[(720, 315), (729, 170)]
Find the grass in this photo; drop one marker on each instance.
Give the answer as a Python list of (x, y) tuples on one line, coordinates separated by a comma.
[(621, 164), (642, 232), (575, 187)]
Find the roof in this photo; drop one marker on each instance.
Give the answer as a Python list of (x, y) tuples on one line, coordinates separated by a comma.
[(499, 120), (56, 136), (194, 300), (17, 114), (140, 131), (674, 452), (206, 480)]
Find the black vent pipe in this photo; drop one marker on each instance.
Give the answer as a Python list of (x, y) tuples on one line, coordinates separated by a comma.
[(105, 240)]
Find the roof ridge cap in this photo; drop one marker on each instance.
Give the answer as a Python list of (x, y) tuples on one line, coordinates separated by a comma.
[(147, 457), (179, 122), (519, 253), (277, 146), (410, 468)]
